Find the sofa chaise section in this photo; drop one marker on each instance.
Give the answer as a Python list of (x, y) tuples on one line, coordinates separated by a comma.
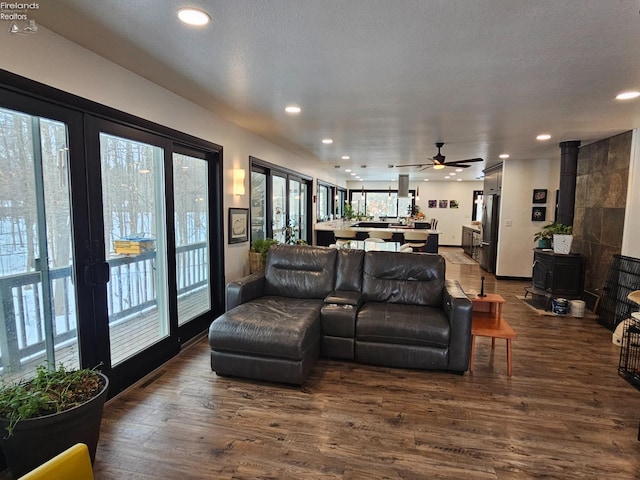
[(271, 330)]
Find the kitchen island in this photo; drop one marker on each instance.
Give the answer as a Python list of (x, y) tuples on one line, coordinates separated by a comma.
[(325, 237)]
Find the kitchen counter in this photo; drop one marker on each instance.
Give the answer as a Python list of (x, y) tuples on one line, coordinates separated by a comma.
[(324, 232)]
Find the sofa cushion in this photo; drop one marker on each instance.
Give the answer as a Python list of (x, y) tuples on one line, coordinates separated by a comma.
[(349, 270), (403, 324), (268, 326), (299, 271), (409, 278)]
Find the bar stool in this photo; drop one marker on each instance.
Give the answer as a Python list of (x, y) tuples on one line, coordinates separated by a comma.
[(381, 234), (417, 240), (343, 236)]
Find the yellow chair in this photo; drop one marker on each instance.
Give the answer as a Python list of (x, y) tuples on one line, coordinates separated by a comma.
[(72, 464)]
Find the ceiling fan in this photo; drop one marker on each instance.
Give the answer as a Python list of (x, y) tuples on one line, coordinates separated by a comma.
[(438, 161)]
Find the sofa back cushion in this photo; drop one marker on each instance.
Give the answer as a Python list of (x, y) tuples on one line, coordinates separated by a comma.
[(411, 278), (299, 271), (349, 270)]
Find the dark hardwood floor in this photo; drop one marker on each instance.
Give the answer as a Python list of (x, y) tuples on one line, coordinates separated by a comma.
[(565, 413)]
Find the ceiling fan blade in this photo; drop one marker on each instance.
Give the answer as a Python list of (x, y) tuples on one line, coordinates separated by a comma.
[(470, 160), (415, 165)]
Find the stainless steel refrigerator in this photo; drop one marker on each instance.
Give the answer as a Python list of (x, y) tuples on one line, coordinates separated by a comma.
[(490, 223)]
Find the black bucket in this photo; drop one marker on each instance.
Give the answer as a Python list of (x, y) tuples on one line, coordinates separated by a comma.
[(560, 306)]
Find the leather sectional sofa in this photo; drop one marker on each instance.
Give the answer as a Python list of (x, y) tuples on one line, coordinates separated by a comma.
[(381, 308)]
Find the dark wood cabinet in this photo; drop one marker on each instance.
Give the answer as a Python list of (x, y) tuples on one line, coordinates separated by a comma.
[(470, 240), (557, 274)]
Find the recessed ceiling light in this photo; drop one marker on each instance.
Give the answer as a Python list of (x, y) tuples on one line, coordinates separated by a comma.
[(345, 157), (293, 109), (426, 179), (458, 169), (353, 174), (194, 16), (327, 141), (459, 180), (543, 136), (447, 177), (453, 174), (348, 170), (504, 155), (628, 95)]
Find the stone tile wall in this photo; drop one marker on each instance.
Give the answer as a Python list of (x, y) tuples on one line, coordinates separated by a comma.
[(601, 193)]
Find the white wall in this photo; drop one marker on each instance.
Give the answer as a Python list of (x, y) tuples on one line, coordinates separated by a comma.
[(631, 234), (51, 59), (516, 230), (450, 220)]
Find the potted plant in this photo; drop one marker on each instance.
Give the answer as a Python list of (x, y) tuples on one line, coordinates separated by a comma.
[(348, 211), (544, 236), (557, 235), (43, 416), (258, 253), (562, 238)]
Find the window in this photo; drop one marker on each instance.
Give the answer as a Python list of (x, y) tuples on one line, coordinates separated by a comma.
[(381, 203), (476, 209), (280, 203)]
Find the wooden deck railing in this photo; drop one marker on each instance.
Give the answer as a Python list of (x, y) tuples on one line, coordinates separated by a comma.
[(132, 289)]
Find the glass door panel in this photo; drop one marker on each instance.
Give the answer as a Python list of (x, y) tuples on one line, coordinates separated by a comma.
[(279, 201), (303, 229), (191, 218), (133, 202), (37, 293), (258, 206), (293, 232)]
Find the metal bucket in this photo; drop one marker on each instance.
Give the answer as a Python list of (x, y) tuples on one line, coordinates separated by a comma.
[(577, 308), (560, 306)]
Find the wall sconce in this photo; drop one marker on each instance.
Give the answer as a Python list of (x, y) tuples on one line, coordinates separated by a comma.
[(418, 193), (238, 181)]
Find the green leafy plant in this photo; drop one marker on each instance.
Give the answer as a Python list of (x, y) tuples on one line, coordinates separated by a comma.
[(548, 231), (348, 211), (262, 246), (50, 391)]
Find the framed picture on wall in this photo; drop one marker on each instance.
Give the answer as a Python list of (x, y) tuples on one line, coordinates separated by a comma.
[(453, 204), (539, 195), (238, 225), (443, 203), (538, 214), (433, 204)]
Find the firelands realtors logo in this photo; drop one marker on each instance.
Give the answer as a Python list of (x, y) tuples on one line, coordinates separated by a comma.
[(17, 14)]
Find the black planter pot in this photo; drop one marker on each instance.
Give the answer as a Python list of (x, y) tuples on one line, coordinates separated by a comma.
[(36, 440)]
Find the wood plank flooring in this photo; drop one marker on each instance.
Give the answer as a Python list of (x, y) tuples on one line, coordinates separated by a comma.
[(565, 413)]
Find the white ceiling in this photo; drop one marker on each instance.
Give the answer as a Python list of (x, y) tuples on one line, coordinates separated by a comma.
[(385, 79)]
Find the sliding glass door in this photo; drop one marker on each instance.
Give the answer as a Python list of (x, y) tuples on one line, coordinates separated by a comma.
[(107, 228), (37, 285), (135, 242), (191, 222)]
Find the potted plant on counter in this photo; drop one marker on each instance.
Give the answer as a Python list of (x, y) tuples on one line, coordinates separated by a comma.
[(258, 253), (43, 416)]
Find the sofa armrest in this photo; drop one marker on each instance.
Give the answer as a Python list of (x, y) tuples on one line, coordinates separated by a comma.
[(343, 297), (245, 289), (458, 308)]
